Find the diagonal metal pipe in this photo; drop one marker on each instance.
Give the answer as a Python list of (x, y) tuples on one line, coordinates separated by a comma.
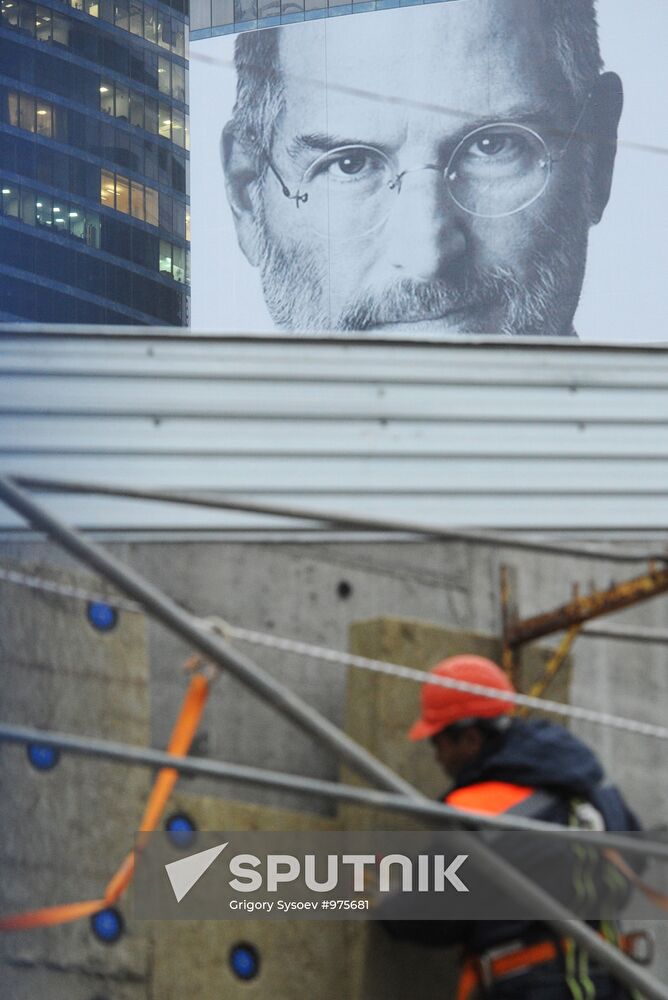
[(165, 610), (218, 501), (432, 812)]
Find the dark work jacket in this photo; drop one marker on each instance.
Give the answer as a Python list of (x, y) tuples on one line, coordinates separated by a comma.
[(558, 769)]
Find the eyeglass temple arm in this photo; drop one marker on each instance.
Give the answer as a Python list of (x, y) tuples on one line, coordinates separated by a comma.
[(575, 128), (297, 197)]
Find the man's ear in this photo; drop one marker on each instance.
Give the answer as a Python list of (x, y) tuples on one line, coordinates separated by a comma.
[(240, 168), (607, 100)]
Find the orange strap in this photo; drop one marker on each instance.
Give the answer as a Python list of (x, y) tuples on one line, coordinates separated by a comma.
[(489, 797), (50, 915), (659, 899), (468, 980), (181, 739), (504, 965), (535, 954)]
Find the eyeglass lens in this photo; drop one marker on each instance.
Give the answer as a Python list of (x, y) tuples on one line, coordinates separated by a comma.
[(495, 171)]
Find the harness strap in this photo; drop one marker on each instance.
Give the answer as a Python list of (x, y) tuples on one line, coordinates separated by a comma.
[(484, 970)]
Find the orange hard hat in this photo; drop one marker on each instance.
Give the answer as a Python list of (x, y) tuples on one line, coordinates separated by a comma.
[(441, 706)]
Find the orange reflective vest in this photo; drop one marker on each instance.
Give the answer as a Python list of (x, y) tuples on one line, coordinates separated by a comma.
[(489, 797)]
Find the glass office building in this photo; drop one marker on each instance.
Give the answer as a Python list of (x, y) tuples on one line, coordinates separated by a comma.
[(94, 213)]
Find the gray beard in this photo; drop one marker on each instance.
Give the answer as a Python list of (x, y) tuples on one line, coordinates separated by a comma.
[(543, 305)]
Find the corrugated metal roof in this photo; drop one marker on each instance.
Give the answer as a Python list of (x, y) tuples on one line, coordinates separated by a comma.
[(511, 434)]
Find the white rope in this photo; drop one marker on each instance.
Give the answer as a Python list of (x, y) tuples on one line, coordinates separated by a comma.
[(65, 590), (408, 673), (359, 662)]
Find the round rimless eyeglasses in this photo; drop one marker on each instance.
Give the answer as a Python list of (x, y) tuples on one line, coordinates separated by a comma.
[(495, 171)]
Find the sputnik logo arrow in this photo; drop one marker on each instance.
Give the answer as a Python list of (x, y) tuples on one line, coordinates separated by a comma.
[(186, 872)]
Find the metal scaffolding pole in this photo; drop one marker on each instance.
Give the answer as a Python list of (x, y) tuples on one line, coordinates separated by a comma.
[(217, 501), (433, 812), (165, 610)]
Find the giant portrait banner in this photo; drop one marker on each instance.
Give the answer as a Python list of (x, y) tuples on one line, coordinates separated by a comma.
[(487, 167)]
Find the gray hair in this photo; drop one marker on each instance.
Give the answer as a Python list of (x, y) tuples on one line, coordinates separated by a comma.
[(259, 100)]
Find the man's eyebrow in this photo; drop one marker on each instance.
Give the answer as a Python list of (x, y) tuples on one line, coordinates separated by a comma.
[(521, 114), (321, 142)]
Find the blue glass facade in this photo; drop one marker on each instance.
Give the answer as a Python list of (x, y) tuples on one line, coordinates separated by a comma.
[(209, 18), (94, 216)]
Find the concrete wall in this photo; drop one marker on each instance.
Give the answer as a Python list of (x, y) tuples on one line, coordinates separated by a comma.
[(66, 830), (313, 592)]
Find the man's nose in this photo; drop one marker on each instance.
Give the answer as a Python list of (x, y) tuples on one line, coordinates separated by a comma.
[(424, 230)]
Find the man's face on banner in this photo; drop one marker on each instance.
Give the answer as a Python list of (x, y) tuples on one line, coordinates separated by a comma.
[(438, 179)]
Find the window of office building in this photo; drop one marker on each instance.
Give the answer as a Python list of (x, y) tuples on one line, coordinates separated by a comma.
[(144, 112), (33, 114), (55, 214), (47, 25), (10, 199), (136, 18), (107, 97), (130, 197), (9, 13), (122, 194), (164, 75)]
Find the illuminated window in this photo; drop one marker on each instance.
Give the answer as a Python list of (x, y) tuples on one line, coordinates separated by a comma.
[(60, 30), (43, 24), (13, 108), (136, 18), (92, 8), (9, 13), (188, 226), (164, 31), (178, 82), (92, 230), (150, 24), (10, 199), (165, 121), (60, 218), (165, 258), (43, 210), (178, 128), (27, 113), (164, 81), (122, 15), (179, 263), (44, 118), (107, 188), (178, 37), (137, 200), (151, 115), (77, 223), (122, 103), (152, 216), (107, 97), (122, 194)]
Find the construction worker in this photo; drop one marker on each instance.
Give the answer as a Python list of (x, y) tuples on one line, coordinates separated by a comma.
[(513, 766)]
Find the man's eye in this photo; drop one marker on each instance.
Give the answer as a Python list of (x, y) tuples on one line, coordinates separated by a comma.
[(350, 164), (495, 144)]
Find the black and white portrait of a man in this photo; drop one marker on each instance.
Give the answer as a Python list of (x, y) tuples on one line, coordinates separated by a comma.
[(437, 169)]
